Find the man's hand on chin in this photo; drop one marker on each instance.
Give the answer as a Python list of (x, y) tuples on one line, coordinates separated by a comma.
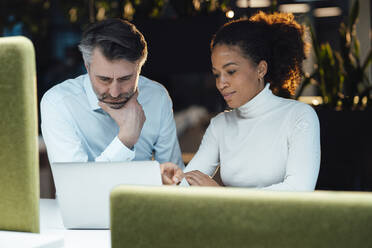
[(130, 118)]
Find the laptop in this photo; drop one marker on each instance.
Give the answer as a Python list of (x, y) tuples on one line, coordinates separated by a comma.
[(83, 189)]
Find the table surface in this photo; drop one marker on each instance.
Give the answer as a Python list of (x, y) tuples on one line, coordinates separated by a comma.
[(51, 223), (53, 232)]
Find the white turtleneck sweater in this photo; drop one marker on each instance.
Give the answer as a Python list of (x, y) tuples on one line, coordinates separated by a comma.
[(269, 143)]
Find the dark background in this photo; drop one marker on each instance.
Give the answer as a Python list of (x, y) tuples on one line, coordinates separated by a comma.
[(178, 39)]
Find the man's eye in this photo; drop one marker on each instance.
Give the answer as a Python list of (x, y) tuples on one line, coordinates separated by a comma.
[(124, 79), (231, 72), (104, 79)]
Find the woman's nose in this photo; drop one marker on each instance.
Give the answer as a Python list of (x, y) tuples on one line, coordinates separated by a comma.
[(221, 83)]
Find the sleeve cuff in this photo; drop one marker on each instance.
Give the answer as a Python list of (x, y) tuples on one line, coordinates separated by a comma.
[(117, 151)]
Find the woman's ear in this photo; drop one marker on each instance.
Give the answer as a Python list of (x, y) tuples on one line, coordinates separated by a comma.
[(262, 68)]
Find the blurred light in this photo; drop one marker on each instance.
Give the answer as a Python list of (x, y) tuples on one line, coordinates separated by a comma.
[(213, 6), (356, 100), (242, 3), (101, 14), (260, 3), (196, 4), (364, 101), (73, 14), (294, 8), (312, 100), (46, 5), (230, 14), (223, 7), (327, 12), (128, 11), (348, 37), (315, 102)]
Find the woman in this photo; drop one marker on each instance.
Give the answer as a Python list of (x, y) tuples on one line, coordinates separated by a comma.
[(265, 141)]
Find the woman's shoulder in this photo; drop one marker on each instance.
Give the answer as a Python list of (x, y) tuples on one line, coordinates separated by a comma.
[(222, 119), (296, 106), (218, 124), (301, 114)]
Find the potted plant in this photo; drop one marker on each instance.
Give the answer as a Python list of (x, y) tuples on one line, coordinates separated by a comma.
[(346, 113), (341, 76)]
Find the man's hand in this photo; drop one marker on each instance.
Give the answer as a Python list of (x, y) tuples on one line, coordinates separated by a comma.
[(130, 119), (197, 178), (171, 173)]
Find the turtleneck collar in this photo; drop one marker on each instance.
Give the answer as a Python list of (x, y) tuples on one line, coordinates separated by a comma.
[(258, 105)]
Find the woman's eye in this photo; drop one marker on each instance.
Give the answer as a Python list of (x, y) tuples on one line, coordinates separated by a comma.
[(216, 75), (231, 72)]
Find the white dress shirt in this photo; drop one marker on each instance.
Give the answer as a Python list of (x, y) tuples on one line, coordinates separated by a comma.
[(270, 143), (76, 129)]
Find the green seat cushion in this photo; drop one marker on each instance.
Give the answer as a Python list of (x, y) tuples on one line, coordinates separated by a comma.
[(19, 166), (231, 217)]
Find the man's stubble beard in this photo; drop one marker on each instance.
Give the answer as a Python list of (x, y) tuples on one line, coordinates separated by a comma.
[(114, 103)]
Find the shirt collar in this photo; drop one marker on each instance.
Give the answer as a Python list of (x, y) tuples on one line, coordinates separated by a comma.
[(258, 105), (92, 97)]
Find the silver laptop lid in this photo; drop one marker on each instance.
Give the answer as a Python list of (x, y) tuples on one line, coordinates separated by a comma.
[(83, 189)]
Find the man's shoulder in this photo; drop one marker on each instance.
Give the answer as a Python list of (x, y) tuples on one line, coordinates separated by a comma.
[(151, 87), (68, 88)]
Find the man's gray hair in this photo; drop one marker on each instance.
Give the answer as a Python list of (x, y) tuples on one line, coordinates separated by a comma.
[(86, 51), (116, 39)]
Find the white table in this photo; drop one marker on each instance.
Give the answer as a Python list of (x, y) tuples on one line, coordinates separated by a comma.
[(53, 234), (51, 223), (9, 239)]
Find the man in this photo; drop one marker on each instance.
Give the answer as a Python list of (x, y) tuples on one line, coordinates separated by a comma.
[(112, 113)]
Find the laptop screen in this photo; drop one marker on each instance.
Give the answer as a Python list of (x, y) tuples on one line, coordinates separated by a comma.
[(83, 189)]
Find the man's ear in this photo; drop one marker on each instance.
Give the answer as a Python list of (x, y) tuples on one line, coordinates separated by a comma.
[(262, 68), (86, 67)]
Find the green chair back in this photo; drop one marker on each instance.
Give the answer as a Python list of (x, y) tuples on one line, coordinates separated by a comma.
[(231, 217), (19, 161)]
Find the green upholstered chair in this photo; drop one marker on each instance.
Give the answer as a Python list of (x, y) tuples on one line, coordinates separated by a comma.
[(19, 165), (232, 217)]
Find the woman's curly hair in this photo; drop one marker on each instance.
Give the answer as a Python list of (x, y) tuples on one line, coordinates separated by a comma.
[(276, 38)]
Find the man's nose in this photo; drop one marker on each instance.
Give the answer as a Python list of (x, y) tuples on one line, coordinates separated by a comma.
[(115, 89)]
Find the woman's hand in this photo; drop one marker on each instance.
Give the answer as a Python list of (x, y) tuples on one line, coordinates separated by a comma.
[(171, 173), (197, 178)]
